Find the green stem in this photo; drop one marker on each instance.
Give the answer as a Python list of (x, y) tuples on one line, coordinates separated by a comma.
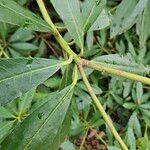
[(116, 72), (101, 109), (56, 34)]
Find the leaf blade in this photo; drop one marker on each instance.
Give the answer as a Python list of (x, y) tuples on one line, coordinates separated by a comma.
[(37, 129), (25, 74), (125, 16), (69, 11), (13, 13), (91, 10), (5, 128), (122, 62)]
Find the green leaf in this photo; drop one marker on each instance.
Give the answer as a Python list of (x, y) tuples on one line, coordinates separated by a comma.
[(127, 89), (68, 146), (5, 113), (135, 124), (42, 51), (14, 53), (21, 35), (91, 14), (143, 25), (67, 77), (129, 105), (96, 89), (139, 92), (69, 11), (137, 127), (122, 62), (113, 148), (145, 30), (102, 22), (84, 99), (145, 106), (17, 76), (63, 131), (131, 139), (21, 2), (117, 98), (145, 97), (52, 82), (142, 143), (79, 22), (13, 13), (23, 46), (131, 48), (116, 59), (40, 129), (5, 127), (89, 40), (126, 15), (3, 31), (25, 101), (146, 118)]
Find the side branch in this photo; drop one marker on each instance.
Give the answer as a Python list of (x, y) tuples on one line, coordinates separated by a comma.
[(116, 72)]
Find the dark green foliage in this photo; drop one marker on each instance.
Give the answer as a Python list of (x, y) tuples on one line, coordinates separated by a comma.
[(40, 107)]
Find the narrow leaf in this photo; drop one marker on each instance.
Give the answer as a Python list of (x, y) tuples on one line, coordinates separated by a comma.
[(127, 89), (135, 124), (102, 22), (21, 35), (139, 92), (25, 101), (131, 139), (24, 46), (91, 11), (69, 11), (145, 30), (143, 27), (126, 15)]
